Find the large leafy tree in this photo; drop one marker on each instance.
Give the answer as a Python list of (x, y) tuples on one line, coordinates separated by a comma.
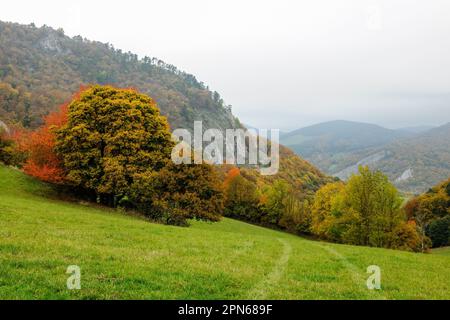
[(365, 211), (374, 204), (110, 136), (323, 216), (275, 206), (241, 200), (178, 193)]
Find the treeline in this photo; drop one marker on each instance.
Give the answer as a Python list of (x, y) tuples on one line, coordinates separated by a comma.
[(273, 205), (365, 211)]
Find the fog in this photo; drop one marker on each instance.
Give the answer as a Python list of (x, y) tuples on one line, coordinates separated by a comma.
[(283, 64)]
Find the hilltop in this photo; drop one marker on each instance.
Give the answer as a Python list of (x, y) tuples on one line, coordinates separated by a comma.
[(41, 68)]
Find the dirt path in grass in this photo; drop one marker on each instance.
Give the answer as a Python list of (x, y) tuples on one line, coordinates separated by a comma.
[(259, 292), (356, 275)]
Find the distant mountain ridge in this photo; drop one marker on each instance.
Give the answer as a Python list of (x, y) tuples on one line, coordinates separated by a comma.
[(340, 135), (414, 159), (417, 163), (416, 129), (328, 145)]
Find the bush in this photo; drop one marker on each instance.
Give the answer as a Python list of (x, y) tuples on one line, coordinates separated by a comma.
[(439, 232), (6, 156), (405, 237), (241, 198), (38, 146), (296, 217), (178, 193)]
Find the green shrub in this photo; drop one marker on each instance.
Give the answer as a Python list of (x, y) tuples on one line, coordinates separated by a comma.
[(439, 232), (178, 193)]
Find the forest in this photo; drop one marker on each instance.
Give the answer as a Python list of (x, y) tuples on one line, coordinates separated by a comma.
[(40, 69)]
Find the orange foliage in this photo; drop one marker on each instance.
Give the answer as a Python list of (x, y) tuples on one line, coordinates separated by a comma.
[(263, 199), (412, 223), (411, 207), (20, 137), (233, 173), (42, 162)]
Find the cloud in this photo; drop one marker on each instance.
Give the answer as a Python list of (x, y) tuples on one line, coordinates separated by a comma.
[(284, 63)]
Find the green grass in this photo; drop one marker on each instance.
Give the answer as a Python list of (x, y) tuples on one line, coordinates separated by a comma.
[(442, 251), (123, 257)]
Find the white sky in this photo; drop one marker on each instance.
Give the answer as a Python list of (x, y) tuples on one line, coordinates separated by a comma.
[(283, 64)]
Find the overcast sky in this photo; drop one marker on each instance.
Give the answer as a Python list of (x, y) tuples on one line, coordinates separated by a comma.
[(283, 64)]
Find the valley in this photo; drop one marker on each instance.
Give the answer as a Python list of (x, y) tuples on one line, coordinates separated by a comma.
[(414, 160)]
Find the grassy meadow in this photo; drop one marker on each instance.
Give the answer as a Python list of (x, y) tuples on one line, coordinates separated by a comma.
[(442, 251), (125, 257)]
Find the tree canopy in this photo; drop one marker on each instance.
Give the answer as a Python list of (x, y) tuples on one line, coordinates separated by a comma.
[(365, 211), (431, 212), (110, 136)]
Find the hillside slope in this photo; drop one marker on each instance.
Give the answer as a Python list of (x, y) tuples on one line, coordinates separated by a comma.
[(41, 68), (414, 164), (124, 257)]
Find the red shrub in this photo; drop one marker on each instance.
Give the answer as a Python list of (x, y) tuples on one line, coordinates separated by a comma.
[(42, 162)]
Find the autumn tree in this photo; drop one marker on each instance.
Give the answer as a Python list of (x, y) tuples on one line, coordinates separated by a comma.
[(323, 216), (241, 197), (112, 135), (431, 213), (405, 237), (230, 176), (42, 162), (374, 204), (296, 217), (5, 146), (366, 211), (178, 193), (275, 205)]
